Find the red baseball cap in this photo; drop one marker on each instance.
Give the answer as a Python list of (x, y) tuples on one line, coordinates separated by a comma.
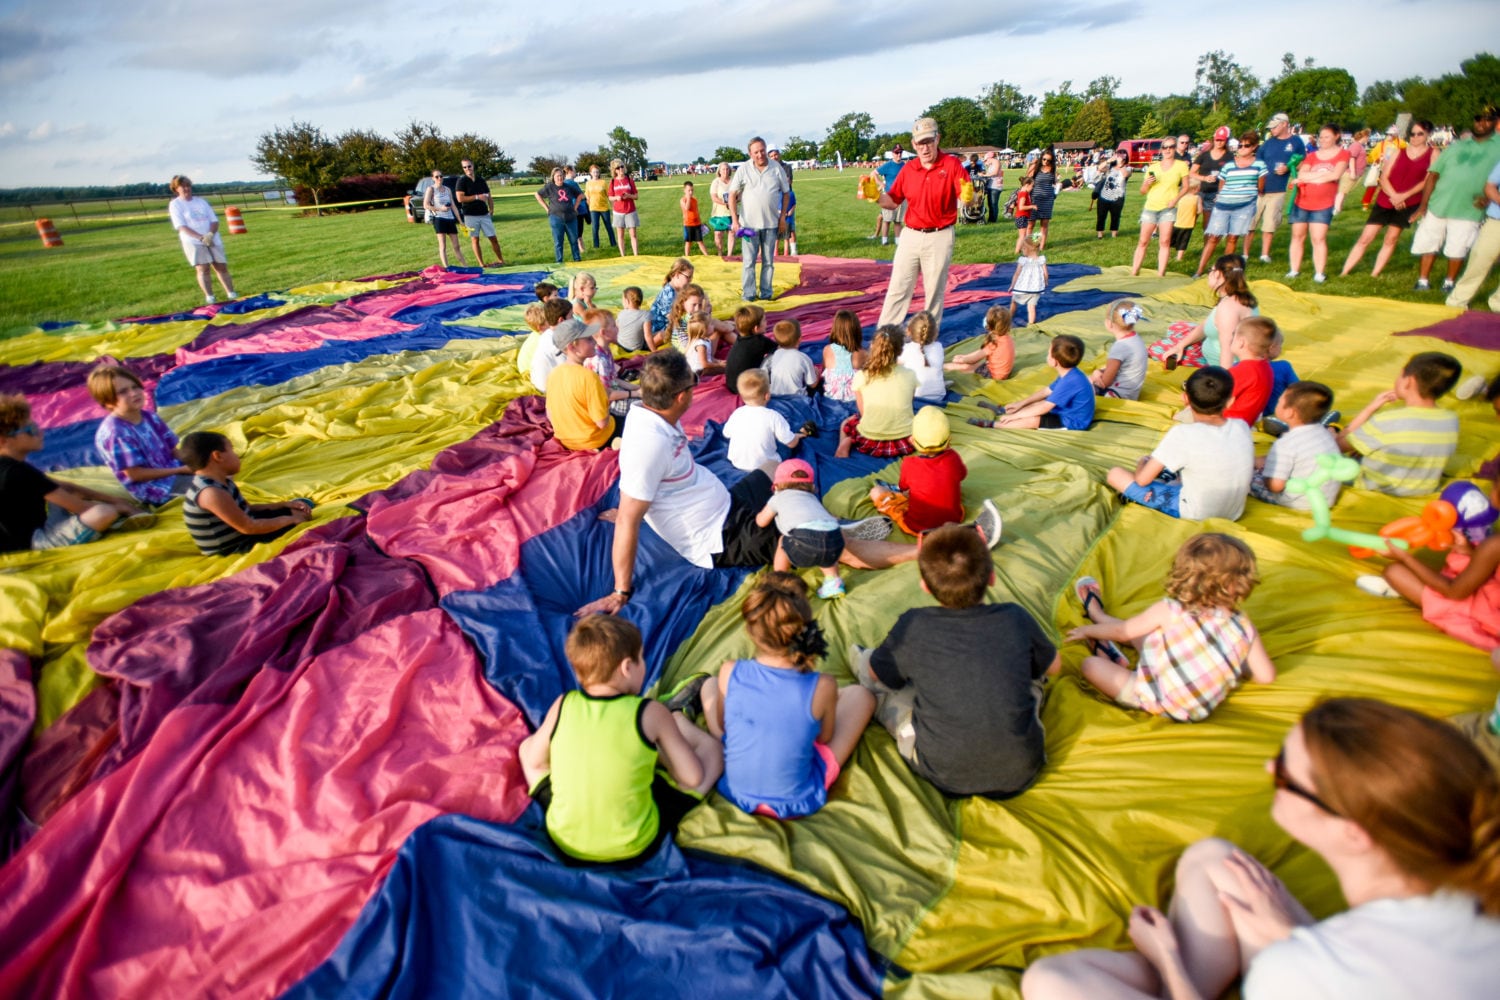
[(1221, 133)]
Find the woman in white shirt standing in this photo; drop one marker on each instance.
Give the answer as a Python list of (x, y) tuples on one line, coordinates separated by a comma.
[(1404, 810), (198, 226)]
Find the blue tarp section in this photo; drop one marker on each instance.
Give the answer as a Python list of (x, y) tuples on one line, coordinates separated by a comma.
[(475, 910)]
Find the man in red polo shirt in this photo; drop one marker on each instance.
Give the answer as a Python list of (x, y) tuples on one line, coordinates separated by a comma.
[(931, 186)]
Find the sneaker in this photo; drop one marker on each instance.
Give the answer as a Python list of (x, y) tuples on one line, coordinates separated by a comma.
[(998, 411), (1273, 427), (687, 697), (869, 529), (1423, 285), (859, 666), (1376, 585), (833, 586), (809, 429), (1294, 274), (1470, 387), (981, 422), (209, 300), (1332, 419), (988, 523), (1265, 259), (1319, 279), (1447, 284)]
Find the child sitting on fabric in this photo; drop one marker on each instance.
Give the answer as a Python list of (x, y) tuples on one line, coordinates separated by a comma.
[(577, 402), (1200, 469), (1029, 280), (1252, 373), (635, 322), (792, 372), (218, 518), (1302, 408), (923, 354), (582, 288), (137, 445), (959, 686), (997, 355), (593, 762), (1404, 450), (37, 511), (546, 355), (928, 494), (1124, 370), (751, 346), (1066, 404), (1195, 646), (788, 730), (754, 429), (1282, 373), (1463, 599), (843, 356), (621, 393), (700, 346), (810, 536)]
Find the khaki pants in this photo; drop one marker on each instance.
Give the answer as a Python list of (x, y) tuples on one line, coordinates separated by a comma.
[(1268, 212), (927, 253), (1481, 259)]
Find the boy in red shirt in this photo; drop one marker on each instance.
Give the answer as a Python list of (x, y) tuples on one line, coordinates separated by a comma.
[(929, 493), (1252, 373)]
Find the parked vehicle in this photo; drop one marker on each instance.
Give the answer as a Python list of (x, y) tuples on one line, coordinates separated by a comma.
[(1140, 151)]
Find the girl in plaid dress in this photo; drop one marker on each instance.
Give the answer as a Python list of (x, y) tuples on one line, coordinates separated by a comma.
[(1195, 646)]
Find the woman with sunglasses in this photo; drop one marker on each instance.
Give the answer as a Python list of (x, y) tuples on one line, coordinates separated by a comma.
[(1402, 808), (1403, 175), (1043, 174), (437, 208)]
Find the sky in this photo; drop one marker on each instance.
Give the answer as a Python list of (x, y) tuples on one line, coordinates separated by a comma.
[(115, 91)]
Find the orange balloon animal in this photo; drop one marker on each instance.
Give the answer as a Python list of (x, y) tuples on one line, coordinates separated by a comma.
[(1432, 530)]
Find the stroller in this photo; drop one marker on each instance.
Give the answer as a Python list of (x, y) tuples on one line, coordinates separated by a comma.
[(973, 210)]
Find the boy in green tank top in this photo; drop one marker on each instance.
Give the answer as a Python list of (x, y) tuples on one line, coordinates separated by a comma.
[(592, 763)]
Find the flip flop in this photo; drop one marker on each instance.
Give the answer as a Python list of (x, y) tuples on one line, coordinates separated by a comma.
[(1088, 589)]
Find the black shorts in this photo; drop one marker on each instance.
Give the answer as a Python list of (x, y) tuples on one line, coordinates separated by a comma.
[(445, 227), (747, 544), (809, 547), (1398, 217), (1051, 422), (672, 805)]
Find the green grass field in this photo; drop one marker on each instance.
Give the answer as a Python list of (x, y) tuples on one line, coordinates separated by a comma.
[(110, 269)]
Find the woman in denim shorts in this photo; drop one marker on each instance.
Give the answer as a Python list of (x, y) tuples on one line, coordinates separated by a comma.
[(1240, 183)]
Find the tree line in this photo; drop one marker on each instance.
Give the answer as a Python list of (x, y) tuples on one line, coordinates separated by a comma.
[(1225, 92)]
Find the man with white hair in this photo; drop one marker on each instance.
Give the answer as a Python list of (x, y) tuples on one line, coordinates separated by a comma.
[(759, 197), (931, 186)]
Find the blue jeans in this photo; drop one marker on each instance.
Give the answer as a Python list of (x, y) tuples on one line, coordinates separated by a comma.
[(762, 245), (609, 230), (561, 227)]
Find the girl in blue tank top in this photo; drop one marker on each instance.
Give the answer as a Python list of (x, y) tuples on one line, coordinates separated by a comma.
[(787, 729)]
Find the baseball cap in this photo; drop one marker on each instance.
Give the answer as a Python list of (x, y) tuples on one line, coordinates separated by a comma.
[(929, 429), (793, 471), (571, 330), (773, 148), (1221, 133), (1393, 131), (1475, 514), (923, 128), (1278, 118)]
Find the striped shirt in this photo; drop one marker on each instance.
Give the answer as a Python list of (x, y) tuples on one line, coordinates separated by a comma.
[(1295, 454), (1239, 185), (212, 535), (1189, 666), (1404, 450)]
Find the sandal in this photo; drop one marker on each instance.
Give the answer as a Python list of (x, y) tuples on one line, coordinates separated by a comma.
[(1088, 589)]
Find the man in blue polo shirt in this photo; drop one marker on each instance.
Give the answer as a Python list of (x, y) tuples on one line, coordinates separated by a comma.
[(891, 219), (1276, 152)]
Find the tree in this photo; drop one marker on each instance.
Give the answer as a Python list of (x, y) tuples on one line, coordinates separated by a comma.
[(1289, 66), (1224, 83), (544, 163), (1151, 127), (589, 157), (1314, 96), (301, 154), (798, 148), (420, 148), (488, 158), (729, 154), (960, 120), (1058, 110), (1129, 114), (365, 152), (849, 136), (1092, 123), (1005, 106), (1104, 87), (629, 148), (1179, 115), (1029, 135)]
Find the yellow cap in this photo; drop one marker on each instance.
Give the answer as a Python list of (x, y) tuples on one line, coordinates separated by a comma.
[(929, 429)]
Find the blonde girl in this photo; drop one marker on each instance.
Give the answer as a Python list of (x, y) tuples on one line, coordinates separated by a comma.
[(1124, 369), (924, 356), (691, 301), (1195, 646), (678, 277), (883, 395), (997, 355), (581, 291), (788, 730), (699, 346), (843, 356)]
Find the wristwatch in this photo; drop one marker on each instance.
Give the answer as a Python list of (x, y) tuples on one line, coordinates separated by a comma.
[(624, 593)]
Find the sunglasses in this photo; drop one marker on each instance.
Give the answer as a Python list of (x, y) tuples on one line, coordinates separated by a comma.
[(1417, 131), (1283, 781), (30, 428)]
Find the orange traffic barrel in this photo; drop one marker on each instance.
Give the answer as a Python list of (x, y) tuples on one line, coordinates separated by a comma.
[(236, 221), (45, 230)]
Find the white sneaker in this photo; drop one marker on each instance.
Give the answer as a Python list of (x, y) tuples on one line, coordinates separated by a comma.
[(869, 529), (1376, 585), (1264, 259), (1294, 274), (1448, 284), (1423, 286), (1318, 279), (1470, 387), (988, 523)]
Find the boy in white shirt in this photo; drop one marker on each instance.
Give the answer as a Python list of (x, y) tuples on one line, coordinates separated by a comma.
[(1198, 470), (754, 429), (792, 372)]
